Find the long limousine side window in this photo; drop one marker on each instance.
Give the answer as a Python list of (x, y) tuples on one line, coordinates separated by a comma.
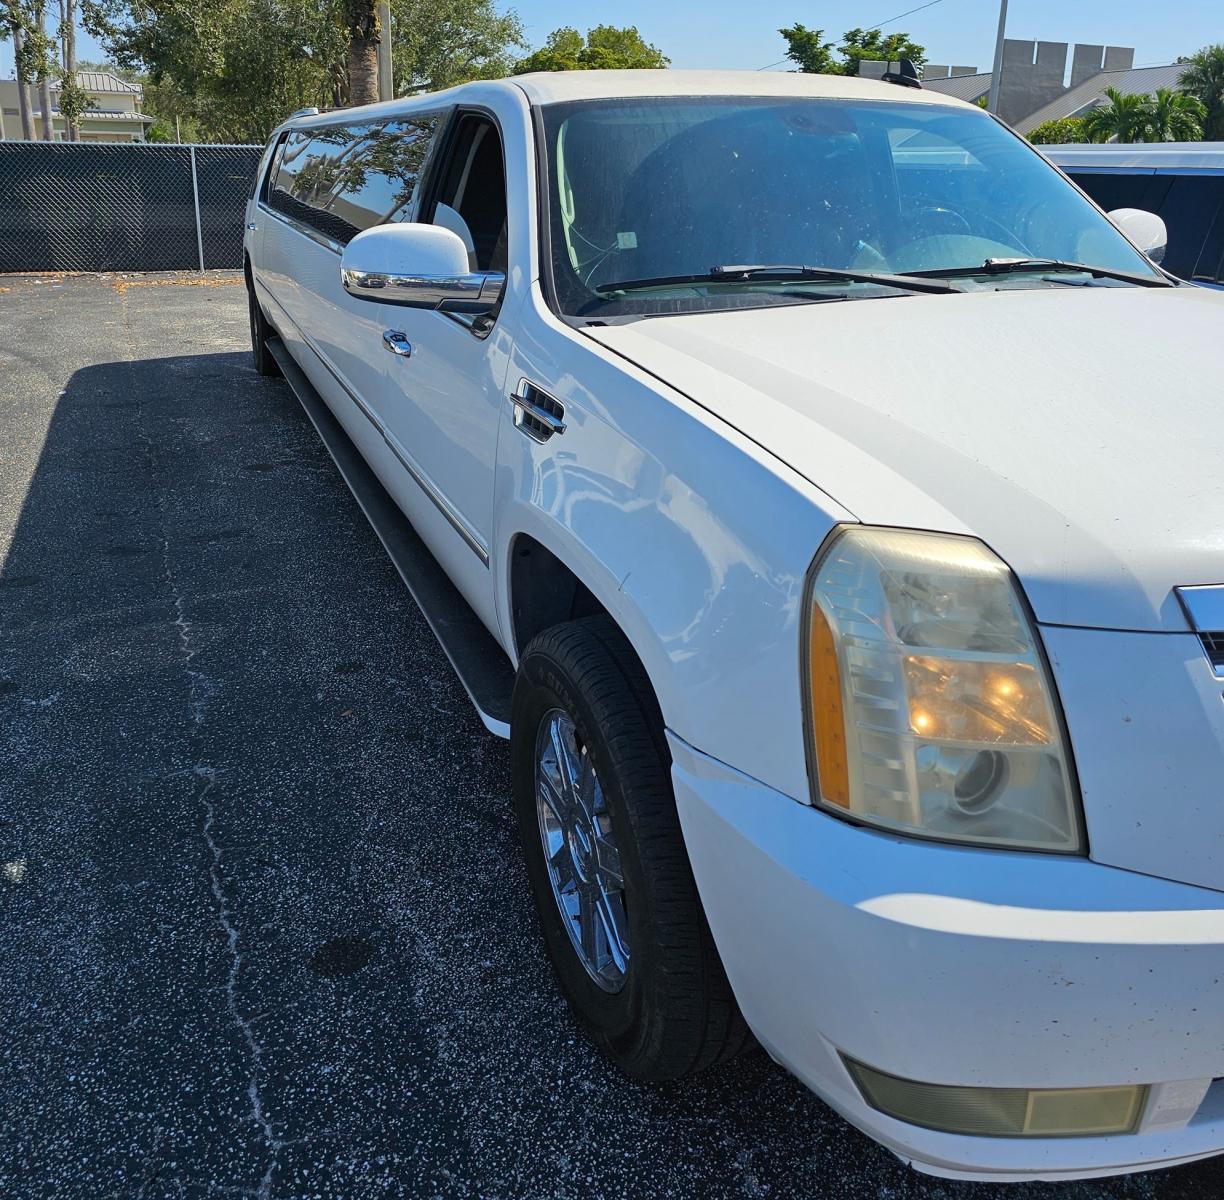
[(1193, 211), (342, 179), (1191, 206), (471, 200)]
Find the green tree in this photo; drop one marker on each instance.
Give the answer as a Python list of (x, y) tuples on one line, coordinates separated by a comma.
[(42, 48), (810, 53), (276, 56), (259, 60), (73, 102), (439, 43), (34, 59), (605, 47), (1064, 131), (1203, 79), (1125, 118), (1175, 117), (73, 99), (231, 70), (870, 45), (16, 21), (808, 50)]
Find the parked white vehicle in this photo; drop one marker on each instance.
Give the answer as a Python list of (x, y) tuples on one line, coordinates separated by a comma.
[(1181, 182), (828, 504)]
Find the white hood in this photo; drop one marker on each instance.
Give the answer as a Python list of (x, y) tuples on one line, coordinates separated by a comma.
[(1079, 431)]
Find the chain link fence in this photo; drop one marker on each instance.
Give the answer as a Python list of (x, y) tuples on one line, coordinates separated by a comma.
[(100, 206)]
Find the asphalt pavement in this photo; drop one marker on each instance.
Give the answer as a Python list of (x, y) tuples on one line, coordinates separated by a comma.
[(264, 929)]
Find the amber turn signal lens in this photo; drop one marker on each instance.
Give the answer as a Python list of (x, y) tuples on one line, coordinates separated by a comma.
[(828, 719)]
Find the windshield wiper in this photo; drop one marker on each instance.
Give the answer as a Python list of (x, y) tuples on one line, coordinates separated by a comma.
[(782, 273), (1011, 266)]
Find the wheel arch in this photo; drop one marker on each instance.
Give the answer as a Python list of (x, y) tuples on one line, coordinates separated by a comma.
[(546, 586)]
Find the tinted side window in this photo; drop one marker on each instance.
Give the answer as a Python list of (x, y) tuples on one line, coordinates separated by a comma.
[(1191, 211), (1191, 206), (267, 168), (346, 178), (471, 200), (1120, 191)]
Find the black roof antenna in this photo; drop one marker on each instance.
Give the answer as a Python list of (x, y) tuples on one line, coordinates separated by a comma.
[(906, 74)]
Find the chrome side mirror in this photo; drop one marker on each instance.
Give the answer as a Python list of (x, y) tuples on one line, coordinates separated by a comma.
[(418, 266), (1146, 230)]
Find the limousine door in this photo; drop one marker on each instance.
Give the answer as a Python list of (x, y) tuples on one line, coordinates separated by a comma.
[(426, 421), (446, 386), (442, 408)]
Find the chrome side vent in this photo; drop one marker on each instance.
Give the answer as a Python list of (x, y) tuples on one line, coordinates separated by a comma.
[(1204, 609), (536, 413)]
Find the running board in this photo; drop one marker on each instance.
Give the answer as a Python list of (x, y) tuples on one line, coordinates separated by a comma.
[(481, 664)]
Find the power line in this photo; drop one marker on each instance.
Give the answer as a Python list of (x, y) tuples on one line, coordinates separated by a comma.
[(881, 24), (873, 25)]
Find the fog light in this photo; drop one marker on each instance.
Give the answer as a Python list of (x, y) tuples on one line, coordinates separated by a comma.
[(1002, 1112)]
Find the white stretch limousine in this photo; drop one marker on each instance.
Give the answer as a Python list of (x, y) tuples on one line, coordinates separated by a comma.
[(824, 497), (1181, 182)]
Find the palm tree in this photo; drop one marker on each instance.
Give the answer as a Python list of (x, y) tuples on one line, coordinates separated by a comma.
[(360, 19), (1124, 119), (1203, 78), (1175, 117)]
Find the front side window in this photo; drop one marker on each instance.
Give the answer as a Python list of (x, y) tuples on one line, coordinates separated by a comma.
[(471, 199), (341, 179), (660, 189), (266, 169)]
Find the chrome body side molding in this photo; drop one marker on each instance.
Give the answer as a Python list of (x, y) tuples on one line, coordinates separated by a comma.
[(419, 477)]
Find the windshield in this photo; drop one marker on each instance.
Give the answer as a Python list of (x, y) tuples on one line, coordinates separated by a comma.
[(656, 189)]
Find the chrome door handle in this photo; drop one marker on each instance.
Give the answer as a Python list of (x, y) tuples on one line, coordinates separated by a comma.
[(397, 342)]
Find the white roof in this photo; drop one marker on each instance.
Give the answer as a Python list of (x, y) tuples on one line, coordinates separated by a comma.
[(551, 87), (548, 87)]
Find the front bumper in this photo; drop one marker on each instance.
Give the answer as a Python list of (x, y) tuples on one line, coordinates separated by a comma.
[(964, 967)]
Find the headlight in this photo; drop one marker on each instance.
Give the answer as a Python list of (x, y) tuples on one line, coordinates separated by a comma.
[(931, 708)]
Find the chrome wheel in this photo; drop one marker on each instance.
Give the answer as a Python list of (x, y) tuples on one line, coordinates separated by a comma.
[(580, 852)]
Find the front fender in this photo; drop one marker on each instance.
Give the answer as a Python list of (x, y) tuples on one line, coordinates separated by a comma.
[(694, 539)]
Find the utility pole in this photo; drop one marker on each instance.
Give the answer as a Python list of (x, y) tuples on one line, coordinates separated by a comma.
[(996, 75), (386, 81)]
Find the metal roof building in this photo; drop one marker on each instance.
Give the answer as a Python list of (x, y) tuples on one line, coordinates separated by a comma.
[(964, 87), (1050, 99), (1078, 100)]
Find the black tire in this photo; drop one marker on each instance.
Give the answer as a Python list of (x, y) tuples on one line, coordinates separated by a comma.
[(261, 331), (675, 1014)]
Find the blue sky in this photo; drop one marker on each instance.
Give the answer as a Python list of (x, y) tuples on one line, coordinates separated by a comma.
[(730, 33)]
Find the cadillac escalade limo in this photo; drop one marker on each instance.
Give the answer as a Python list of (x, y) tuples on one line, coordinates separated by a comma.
[(824, 497)]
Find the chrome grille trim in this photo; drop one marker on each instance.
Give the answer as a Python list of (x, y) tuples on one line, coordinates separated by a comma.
[(1204, 609)]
